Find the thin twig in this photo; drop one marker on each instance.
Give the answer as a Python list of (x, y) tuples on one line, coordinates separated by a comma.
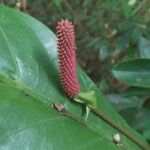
[(23, 5), (60, 108), (121, 129), (139, 7)]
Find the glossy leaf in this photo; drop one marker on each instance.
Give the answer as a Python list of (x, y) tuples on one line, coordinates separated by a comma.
[(29, 85), (131, 109), (134, 72), (123, 103)]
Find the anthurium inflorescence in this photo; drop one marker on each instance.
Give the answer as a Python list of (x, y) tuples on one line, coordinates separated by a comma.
[(67, 57), (68, 77)]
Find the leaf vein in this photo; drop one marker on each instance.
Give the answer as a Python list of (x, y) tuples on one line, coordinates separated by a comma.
[(10, 49)]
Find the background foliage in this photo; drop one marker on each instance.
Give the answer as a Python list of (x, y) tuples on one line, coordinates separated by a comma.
[(108, 32)]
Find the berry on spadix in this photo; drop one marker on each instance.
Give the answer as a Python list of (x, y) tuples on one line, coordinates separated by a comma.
[(67, 57)]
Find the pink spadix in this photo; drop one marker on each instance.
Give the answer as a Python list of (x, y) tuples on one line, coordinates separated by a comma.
[(67, 58)]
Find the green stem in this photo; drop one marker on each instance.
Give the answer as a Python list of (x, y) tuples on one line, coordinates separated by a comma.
[(119, 128)]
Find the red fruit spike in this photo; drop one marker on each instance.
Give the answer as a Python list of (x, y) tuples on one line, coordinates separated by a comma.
[(67, 57)]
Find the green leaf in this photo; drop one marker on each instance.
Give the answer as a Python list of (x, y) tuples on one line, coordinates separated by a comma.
[(131, 2), (123, 103), (134, 72), (29, 85), (146, 119), (146, 131), (137, 91), (144, 47), (104, 50), (128, 107), (57, 2), (127, 9)]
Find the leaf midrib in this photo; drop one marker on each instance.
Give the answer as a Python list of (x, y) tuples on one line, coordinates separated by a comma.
[(39, 97)]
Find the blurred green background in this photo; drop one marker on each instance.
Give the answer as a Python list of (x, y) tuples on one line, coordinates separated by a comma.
[(107, 32)]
